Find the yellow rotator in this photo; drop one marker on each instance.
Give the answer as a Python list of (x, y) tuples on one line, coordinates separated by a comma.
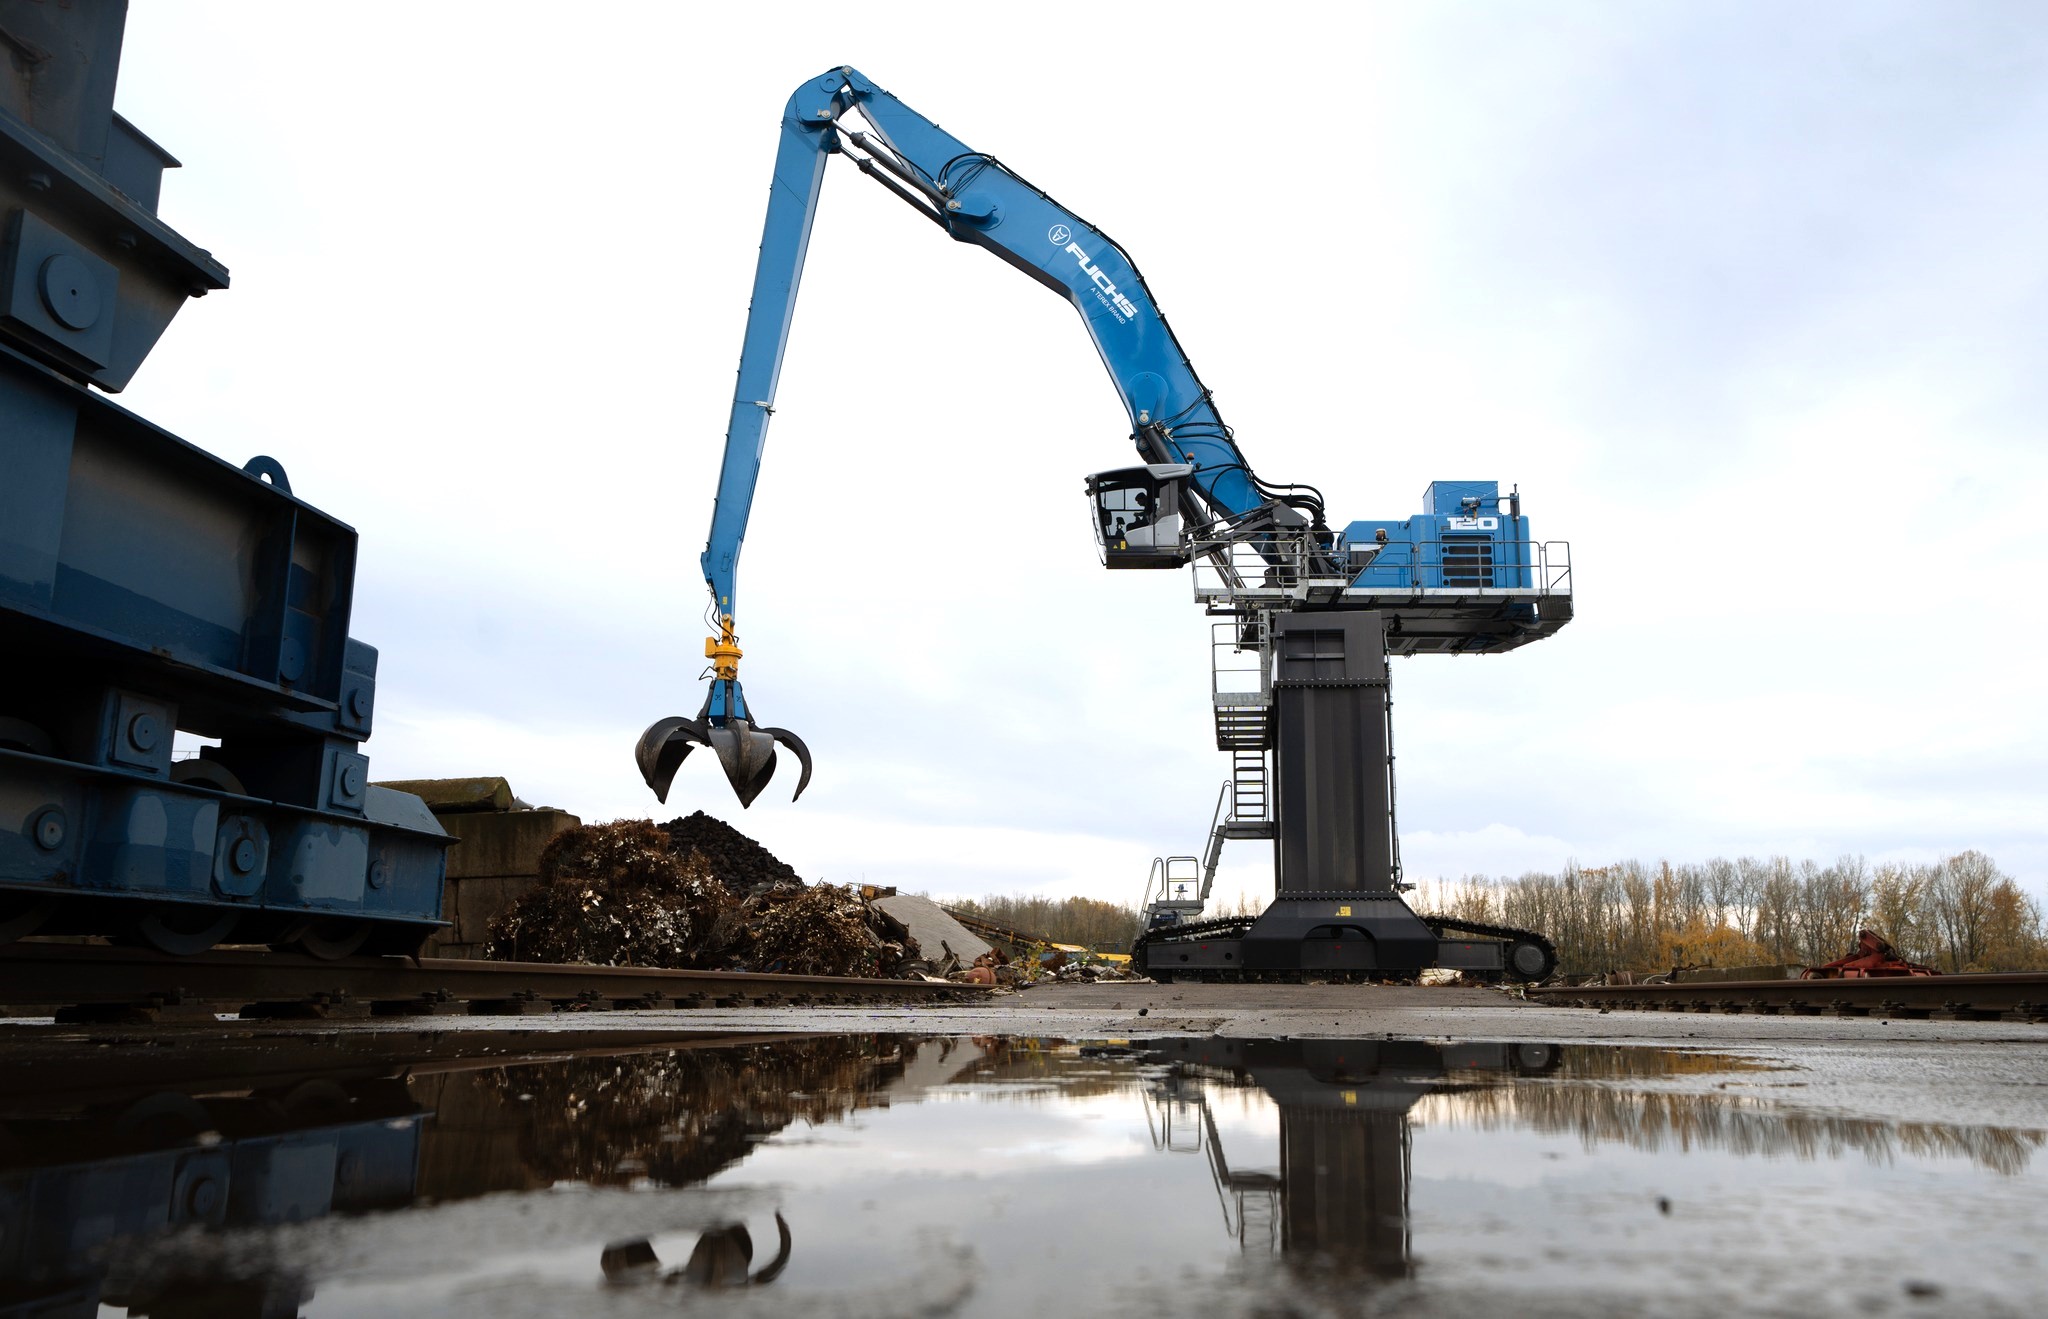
[(745, 749), (723, 651)]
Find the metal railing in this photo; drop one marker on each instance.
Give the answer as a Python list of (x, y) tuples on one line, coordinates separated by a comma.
[(1241, 682), (1273, 566), (1240, 670), (1173, 882)]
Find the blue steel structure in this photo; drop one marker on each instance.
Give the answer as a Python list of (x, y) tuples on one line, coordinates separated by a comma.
[(147, 587)]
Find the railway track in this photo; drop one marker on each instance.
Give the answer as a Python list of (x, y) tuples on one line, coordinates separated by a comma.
[(2016, 997), (90, 983)]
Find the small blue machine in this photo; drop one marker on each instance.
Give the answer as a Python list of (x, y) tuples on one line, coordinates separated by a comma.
[(148, 588)]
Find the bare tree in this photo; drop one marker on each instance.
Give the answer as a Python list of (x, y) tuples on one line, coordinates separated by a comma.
[(1751, 877), (1777, 902), (1896, 907), (1960, 902), (1830, 907), (1962, 914)]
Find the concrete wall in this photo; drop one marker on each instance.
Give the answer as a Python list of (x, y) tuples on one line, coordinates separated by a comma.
[(495, 859)]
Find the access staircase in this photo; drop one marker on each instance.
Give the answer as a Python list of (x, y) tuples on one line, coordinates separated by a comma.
[(1241, 690)]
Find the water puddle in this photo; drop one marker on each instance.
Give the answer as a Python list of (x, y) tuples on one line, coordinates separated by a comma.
[(889, 1176)]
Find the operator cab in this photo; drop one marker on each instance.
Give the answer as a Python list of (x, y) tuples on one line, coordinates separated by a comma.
[(1137, 515)]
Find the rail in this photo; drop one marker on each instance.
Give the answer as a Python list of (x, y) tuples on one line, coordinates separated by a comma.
[(2018, 996), (87, 983)]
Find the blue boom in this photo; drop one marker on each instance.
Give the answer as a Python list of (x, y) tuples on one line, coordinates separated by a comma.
[(976, 199)]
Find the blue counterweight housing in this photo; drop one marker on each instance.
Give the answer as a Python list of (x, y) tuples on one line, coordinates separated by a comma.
[(1464, 576), (1465, 536), (148, 588)]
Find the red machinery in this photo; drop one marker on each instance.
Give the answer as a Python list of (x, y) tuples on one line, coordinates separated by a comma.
[(1871, 956)]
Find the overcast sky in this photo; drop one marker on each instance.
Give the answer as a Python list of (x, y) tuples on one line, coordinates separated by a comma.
[(1748, 299)]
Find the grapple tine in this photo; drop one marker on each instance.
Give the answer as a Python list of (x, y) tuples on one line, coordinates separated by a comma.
[(748, 755), (803, 755), (754, 786), (662, 749)]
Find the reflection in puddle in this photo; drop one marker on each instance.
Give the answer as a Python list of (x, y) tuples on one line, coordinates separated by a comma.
[(887, 1175), (1337, 1195), (1746, 1125), (668, 1117)]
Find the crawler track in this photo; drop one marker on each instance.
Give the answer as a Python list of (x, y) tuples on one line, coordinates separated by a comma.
[(2021, 997), (87, 983), (1236, 927)]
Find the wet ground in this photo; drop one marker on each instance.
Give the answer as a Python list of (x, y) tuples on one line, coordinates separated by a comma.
[(1289, 1151)]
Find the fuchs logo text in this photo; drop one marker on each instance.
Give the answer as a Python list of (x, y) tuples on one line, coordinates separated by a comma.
[(1106, 289)]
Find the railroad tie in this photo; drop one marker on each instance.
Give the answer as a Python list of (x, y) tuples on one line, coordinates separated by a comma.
[(164, 1006), (427, 1003), (327, 1005), (524, 1003)]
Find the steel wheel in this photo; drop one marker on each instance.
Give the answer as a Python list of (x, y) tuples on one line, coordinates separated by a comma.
[(208, 774), (181, 930), (315, 1100), (25, 736), (332, 938), (22, 914), (1530, 962), (163, 1118)]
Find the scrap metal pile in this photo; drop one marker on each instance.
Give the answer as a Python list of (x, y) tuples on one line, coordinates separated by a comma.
[(1060, 966), (679, 1118), (695, 894)]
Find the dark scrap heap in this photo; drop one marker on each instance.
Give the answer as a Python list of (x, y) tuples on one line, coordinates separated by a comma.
[(680, 1118), (694, 894), (740, 862)]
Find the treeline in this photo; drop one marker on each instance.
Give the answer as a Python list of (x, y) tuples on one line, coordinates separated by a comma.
[(1089, 922), (1961, 914)]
